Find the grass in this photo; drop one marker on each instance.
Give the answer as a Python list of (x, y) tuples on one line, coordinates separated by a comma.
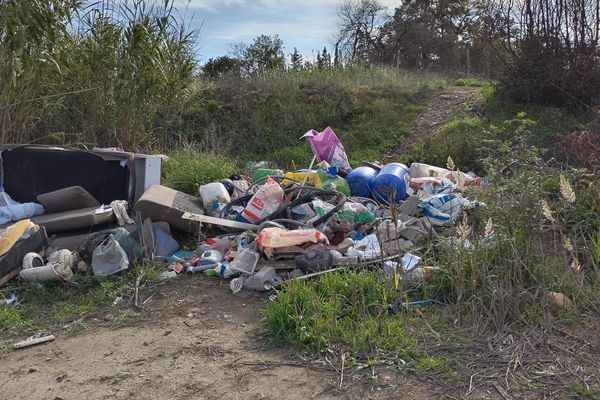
[(52, 304), (263, 117), (466, 138), (469, 82), (187, 168), (583, 391), (340, 313)]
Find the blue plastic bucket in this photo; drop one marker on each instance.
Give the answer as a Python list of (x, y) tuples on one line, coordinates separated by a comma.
[(360, 180), (391, 182)]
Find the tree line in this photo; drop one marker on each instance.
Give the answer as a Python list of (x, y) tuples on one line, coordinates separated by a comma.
[(544, 51)]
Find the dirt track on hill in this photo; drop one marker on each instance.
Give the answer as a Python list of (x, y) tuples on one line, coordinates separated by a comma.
[(195, 340), (440, 110)]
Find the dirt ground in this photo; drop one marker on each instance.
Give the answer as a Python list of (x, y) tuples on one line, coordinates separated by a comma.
[(195, 340), (192, 340)]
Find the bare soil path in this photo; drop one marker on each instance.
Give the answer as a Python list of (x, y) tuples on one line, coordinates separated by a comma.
[(193, 340)]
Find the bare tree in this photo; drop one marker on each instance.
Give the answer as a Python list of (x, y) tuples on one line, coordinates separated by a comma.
[(357, 32)]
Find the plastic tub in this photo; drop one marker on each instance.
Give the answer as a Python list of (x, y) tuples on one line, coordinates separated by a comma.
[(360, 180), (391, 183)]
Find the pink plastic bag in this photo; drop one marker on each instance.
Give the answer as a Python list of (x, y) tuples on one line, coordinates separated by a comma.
[(265, 202), (327, 147), (277, 237)]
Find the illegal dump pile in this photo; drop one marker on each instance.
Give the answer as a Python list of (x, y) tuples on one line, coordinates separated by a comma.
[(260, 233), (265, 231)]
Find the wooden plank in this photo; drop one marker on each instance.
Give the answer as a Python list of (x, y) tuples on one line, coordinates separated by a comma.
[(10, 275), (219, 221), (33, 341)]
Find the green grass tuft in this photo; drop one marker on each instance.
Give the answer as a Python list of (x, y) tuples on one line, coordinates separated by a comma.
[(10, 319), (469, 82), (186, 168), (340, 312)]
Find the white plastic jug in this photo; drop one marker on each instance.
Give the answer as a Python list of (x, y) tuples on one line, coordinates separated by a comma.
[(214, 196)]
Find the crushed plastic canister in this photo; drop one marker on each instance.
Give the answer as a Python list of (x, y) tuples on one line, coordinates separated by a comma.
[(391, 183), (360, 180)]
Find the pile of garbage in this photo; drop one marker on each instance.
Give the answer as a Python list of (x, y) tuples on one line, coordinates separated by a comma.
[(269, 228)]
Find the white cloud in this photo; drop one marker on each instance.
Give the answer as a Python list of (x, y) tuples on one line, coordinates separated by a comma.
[(214, 5)]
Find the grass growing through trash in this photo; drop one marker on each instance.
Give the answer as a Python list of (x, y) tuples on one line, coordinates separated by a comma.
[(499, 272)]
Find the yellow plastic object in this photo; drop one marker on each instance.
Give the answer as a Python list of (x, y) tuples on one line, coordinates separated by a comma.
[(12, 234), (299, 176)]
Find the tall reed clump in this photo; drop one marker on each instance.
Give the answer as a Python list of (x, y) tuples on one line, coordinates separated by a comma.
[(112, 72), (31, 33)]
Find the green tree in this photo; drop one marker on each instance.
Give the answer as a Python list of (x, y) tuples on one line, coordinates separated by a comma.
[(296, 59), (323, 59), (264, 54), (222, 66)]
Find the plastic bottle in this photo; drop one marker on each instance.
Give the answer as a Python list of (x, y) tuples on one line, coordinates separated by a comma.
[(211, 257), (253, 282), (201, 267), (360, 181), (391, 183), (221, 245), (214, 197)]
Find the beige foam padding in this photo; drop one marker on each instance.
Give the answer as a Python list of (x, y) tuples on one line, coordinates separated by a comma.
[(12, 234)]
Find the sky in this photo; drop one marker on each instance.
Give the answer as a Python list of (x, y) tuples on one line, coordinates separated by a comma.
[(305, 24)]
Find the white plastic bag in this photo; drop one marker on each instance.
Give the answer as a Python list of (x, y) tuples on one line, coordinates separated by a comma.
[(419, 170), (443, 209), (109, 258)]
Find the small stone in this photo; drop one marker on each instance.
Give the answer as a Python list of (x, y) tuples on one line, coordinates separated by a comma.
[(124, 375), (559, 300)]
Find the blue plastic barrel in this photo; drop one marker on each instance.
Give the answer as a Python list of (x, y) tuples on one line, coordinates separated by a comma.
[(360, 180), (391, 182)]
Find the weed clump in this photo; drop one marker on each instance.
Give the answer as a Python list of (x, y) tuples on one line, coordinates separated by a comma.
[(339, 313)]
